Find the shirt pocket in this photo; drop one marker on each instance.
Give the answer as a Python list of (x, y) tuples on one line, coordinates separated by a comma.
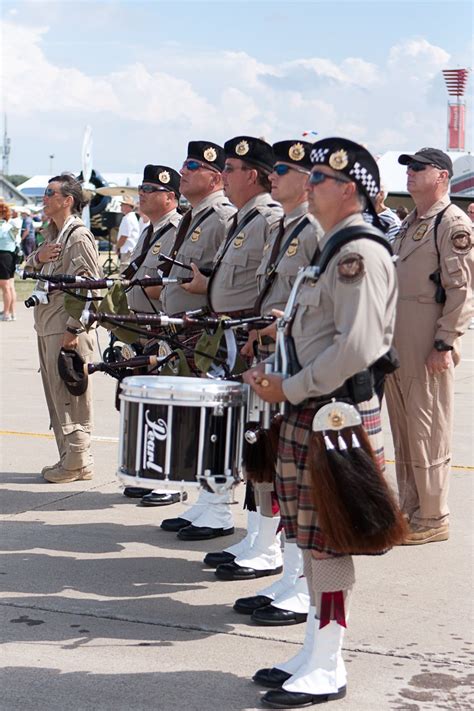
[(237, 268)]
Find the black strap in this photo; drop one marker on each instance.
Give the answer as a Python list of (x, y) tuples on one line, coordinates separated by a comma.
[(438, 219), (276, 257), (322, 258), (236, 227), (148, 242)]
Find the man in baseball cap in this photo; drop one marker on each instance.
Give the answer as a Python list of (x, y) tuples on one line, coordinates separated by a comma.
[(425, 157), (128, 230)]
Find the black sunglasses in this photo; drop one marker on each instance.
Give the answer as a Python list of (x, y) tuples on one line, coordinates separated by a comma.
[(151, 189), (418, 167)]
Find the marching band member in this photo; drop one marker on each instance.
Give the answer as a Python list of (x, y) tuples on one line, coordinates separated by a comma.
[(341, 324), (201, 233)]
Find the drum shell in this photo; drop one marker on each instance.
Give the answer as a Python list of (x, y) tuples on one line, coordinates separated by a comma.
[(177, 429)]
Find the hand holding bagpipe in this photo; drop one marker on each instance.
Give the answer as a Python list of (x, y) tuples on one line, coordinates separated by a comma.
[(151, 361)]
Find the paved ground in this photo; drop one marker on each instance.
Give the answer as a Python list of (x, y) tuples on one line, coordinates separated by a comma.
[(104, 611)]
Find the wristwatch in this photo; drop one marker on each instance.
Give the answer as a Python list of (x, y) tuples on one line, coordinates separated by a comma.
[(74, 331), (442, 346)]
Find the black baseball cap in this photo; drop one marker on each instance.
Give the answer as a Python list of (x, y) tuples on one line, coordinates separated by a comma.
[(430, 156)]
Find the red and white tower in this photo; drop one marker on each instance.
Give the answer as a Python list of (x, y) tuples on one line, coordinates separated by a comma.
[(456, 82)]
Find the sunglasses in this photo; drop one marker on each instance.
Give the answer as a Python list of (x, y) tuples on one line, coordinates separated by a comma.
[(316, 178), (151, 189), (49, 192), (230, 168), (283, 169), (418, 167), (192, 165)]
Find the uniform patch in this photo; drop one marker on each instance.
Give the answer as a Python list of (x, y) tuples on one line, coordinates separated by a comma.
[(461, 242), (351, 268), (420, 232), (239, 240), (196, 234), (293, 247), (156, 248)]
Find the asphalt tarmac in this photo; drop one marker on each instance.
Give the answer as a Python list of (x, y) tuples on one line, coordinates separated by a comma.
[(103, 611)]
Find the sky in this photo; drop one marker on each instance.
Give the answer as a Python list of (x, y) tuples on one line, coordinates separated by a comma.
[(148, 76)]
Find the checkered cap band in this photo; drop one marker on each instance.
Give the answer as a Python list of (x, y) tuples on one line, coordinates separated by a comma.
[(361, 175), (319, 154)]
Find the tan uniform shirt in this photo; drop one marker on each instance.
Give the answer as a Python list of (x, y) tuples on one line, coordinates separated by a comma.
[(234, 286), (298, 254), (417, 259), (137, 301), (344, 321), (199, 246), (79, 257)]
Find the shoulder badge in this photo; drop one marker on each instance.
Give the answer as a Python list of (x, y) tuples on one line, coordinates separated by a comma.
[(210, 154), (351, 268), (338, 160), (156, 248), (164, 177), (420, 232), (292, 248), (461, 242), (296, 151), (239, 240), (242, 148), (196, 234)]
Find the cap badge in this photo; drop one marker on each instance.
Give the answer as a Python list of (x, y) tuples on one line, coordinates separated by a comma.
[(164, 177), (242, 148), (296, 151), (210, 154), (196, 234), (338, 160), (420, 232)]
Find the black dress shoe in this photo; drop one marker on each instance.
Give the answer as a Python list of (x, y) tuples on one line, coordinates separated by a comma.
[(232, 571), (135, 492), (155, 498), (270, 615), (281, 699), (271, 678), (212, 560), (247, 605), (174, 524), (203, 533)]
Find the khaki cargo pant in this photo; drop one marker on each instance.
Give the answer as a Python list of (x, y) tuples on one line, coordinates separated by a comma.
[(70, 416)]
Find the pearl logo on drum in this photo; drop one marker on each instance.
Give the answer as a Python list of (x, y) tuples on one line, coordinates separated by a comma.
[(154, 431)]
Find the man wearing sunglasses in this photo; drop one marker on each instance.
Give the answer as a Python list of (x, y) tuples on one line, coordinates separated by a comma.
[(200, 235), (291, 246), (342, 323), (158, 196), (203, 229), (435, 272)]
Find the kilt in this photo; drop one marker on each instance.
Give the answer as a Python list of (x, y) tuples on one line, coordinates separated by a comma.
[(293, 478)]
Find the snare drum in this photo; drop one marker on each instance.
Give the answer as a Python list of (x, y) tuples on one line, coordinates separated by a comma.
[(176, 429)]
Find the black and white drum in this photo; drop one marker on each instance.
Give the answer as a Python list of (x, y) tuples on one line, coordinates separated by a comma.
[(181, 430)]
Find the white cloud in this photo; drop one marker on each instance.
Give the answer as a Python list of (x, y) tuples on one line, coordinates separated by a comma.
[(219, 94)]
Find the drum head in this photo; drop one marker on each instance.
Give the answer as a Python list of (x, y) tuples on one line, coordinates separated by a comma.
[(189, 392)]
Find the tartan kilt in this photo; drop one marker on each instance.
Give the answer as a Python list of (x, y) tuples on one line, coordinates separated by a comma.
[(293, 478)]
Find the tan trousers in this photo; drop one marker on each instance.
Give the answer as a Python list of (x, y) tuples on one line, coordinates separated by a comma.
[(420, 408), (70, 416)]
